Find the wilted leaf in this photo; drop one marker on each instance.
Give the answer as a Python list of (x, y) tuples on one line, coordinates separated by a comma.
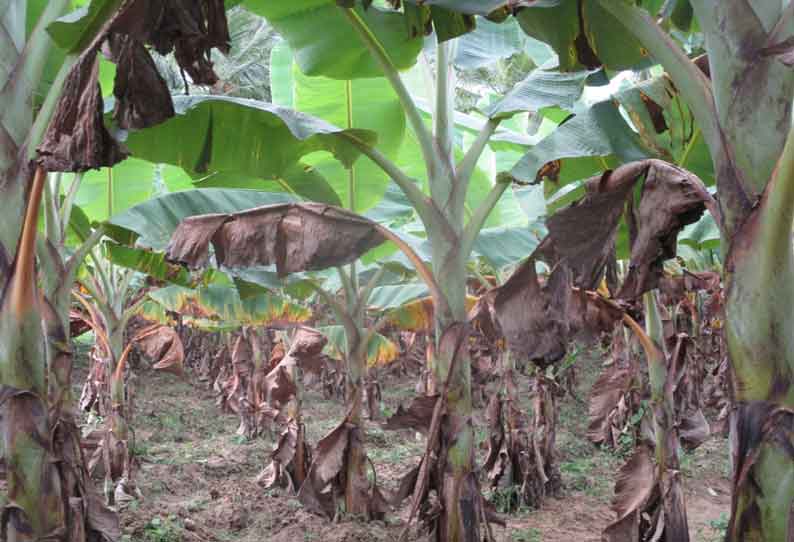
[(76, 139), (534, 317), (162, 345), (693, 429), (142, 95), (189, 29), (613, 383), (223, 305), (282, 471), (295, 237), (417, 416), (635, 484), (380, 350), (670, 198)]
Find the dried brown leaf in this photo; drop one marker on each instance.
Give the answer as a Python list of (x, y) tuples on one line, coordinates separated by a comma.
[(294, 236), (417, 416), (607, 391), (76, 138), (142, 95), (534, 317), (583, 234), (162, 345), (635, 483)]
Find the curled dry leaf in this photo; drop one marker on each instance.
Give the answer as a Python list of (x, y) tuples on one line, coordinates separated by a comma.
[(294, 237), (693, 429), (326, 480), (188, 28), (634, 487), (532, 316), (76, 138), (162, 345), (288, 467), (142, 95), (612, 386), (417, 416), (670, 198)]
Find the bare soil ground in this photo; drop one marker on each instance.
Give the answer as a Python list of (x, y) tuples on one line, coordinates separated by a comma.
[(197, 476)]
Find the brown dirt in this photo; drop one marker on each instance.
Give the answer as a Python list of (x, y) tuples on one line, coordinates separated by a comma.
[(197, 476)]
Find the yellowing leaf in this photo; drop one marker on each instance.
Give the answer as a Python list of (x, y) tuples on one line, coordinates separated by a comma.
[(418, 315)]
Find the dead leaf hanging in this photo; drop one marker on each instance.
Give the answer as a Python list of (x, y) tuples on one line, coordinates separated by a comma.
[(633, 490), (671, 198), (534, 317), (76, 139), (142, 95), (189, 29), (293, 236), (162, 345)]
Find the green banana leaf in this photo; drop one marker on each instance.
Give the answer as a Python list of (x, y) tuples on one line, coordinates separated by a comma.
[(326, 44), (583, 34), (366, 104), (595, 138), (666, 125), (233, 139)]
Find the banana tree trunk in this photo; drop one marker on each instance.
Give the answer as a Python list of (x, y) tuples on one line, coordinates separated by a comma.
[(667, 442), (759, 301), (35, 509), (744, 109), (459, 489), (356, 490)]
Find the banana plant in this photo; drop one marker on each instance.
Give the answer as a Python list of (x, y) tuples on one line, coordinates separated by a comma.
[(58, 59), (750, 149), (109, 297), (245, 383), (450, 197)]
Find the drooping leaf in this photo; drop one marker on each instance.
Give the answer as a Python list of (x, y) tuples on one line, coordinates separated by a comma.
[(142, 95), (237, 139), (223, 305), (391, 296), (579, 148), (151, 263), (191, 30), (155, 220), (670, 198), (533, 317), (295, 237), (76, 139), (614, 382), (505, 246), (666, 125), (633, 489), (162, 345)]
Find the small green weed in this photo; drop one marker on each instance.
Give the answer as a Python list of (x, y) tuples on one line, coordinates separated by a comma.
[(720, 525), (508, 499), (163, 530), (530, 534)]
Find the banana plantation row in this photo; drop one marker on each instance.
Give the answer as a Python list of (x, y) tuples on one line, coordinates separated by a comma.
[(461, 190)]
